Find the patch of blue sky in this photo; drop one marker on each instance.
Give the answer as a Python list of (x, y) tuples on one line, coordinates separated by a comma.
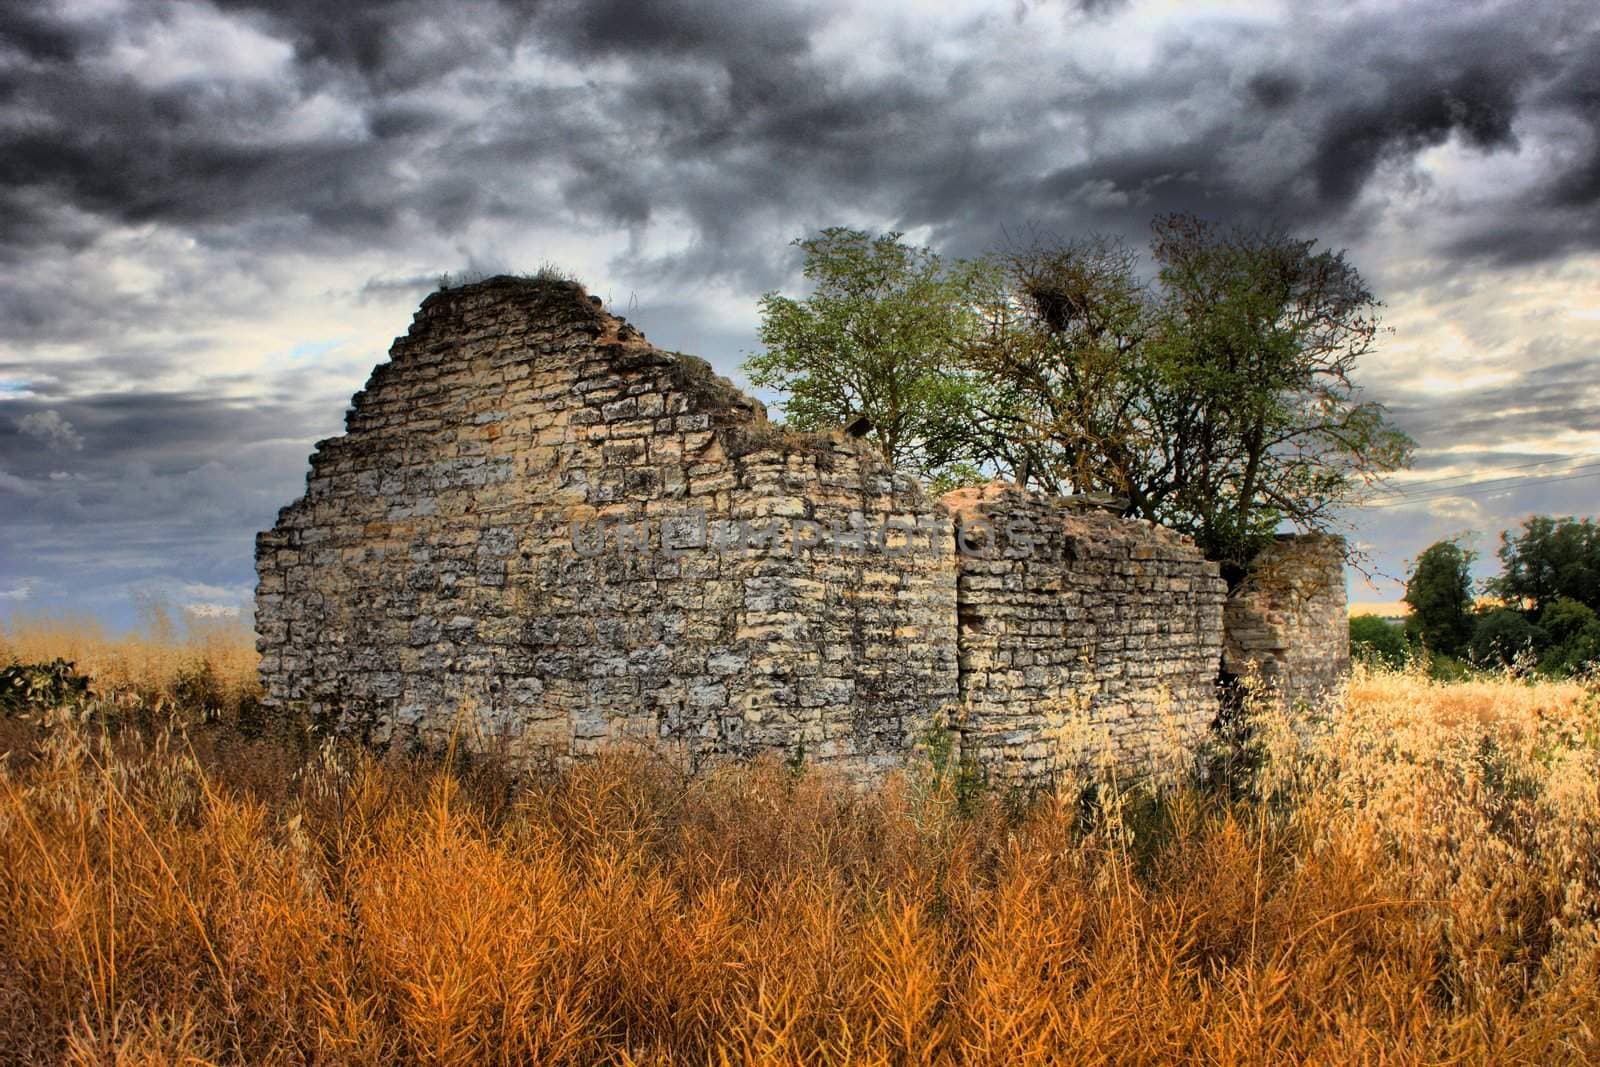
[(312, 349)]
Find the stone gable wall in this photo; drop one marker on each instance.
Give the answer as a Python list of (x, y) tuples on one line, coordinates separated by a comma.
[(543, 532), (1288, 620), (489, 534)]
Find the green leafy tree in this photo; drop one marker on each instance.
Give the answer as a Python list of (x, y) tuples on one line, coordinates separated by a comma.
[(1220, 401), (1065, 386), (1261, 420), (1550, 559), (1502, 635), (1573, 631), (1565, 618), (1377, 640), (880, 336), (1439, 592)]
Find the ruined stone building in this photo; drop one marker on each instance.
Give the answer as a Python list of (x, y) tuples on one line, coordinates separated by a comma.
[(538, 521)]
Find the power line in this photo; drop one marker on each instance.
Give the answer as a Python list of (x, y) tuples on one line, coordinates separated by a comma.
[(1429, 484), (1492, 486), (1488, 485)]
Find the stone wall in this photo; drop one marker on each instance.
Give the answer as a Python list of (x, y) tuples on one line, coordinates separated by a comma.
[(1288, 621), (537, 517), (543, 532), (1083, 635)]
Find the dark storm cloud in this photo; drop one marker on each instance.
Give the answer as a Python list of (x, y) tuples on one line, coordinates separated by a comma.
[(1576, 91), (1561, 395), (165, 430), (224, 154), (1415, 112), (734, 33), (378, 40), (162, 493), (221, 146), (726, 111), (38, 33), (743, 112), (1272, 89)]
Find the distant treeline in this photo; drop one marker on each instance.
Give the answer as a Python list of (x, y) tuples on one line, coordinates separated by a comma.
[(1543, 610)]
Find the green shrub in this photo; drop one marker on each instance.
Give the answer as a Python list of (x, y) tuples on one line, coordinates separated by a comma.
[(37, 686), (1449, 669), (1377, 641), (197, 687), (1565, 619), (1504, 634), (1573, 630)]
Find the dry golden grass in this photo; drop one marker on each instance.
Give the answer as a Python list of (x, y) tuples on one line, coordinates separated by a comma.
[(166, 658), (1412, 879)]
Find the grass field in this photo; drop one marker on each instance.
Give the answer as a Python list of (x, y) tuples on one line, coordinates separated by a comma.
[(1413, 877)]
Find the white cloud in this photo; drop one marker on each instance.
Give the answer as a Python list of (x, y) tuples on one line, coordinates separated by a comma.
[(1100, 192), (10, 483), (214, 593), (196, 43), (213, 611), (52, 429)]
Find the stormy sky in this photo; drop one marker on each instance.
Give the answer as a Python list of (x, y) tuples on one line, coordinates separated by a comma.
[(215, 216)]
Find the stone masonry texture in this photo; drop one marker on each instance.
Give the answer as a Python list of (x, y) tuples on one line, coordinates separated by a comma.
[(543, 534), (1083, 635), (1287, 621)]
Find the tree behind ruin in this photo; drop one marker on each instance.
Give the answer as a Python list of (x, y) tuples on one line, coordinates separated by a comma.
[(1218, 399)]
